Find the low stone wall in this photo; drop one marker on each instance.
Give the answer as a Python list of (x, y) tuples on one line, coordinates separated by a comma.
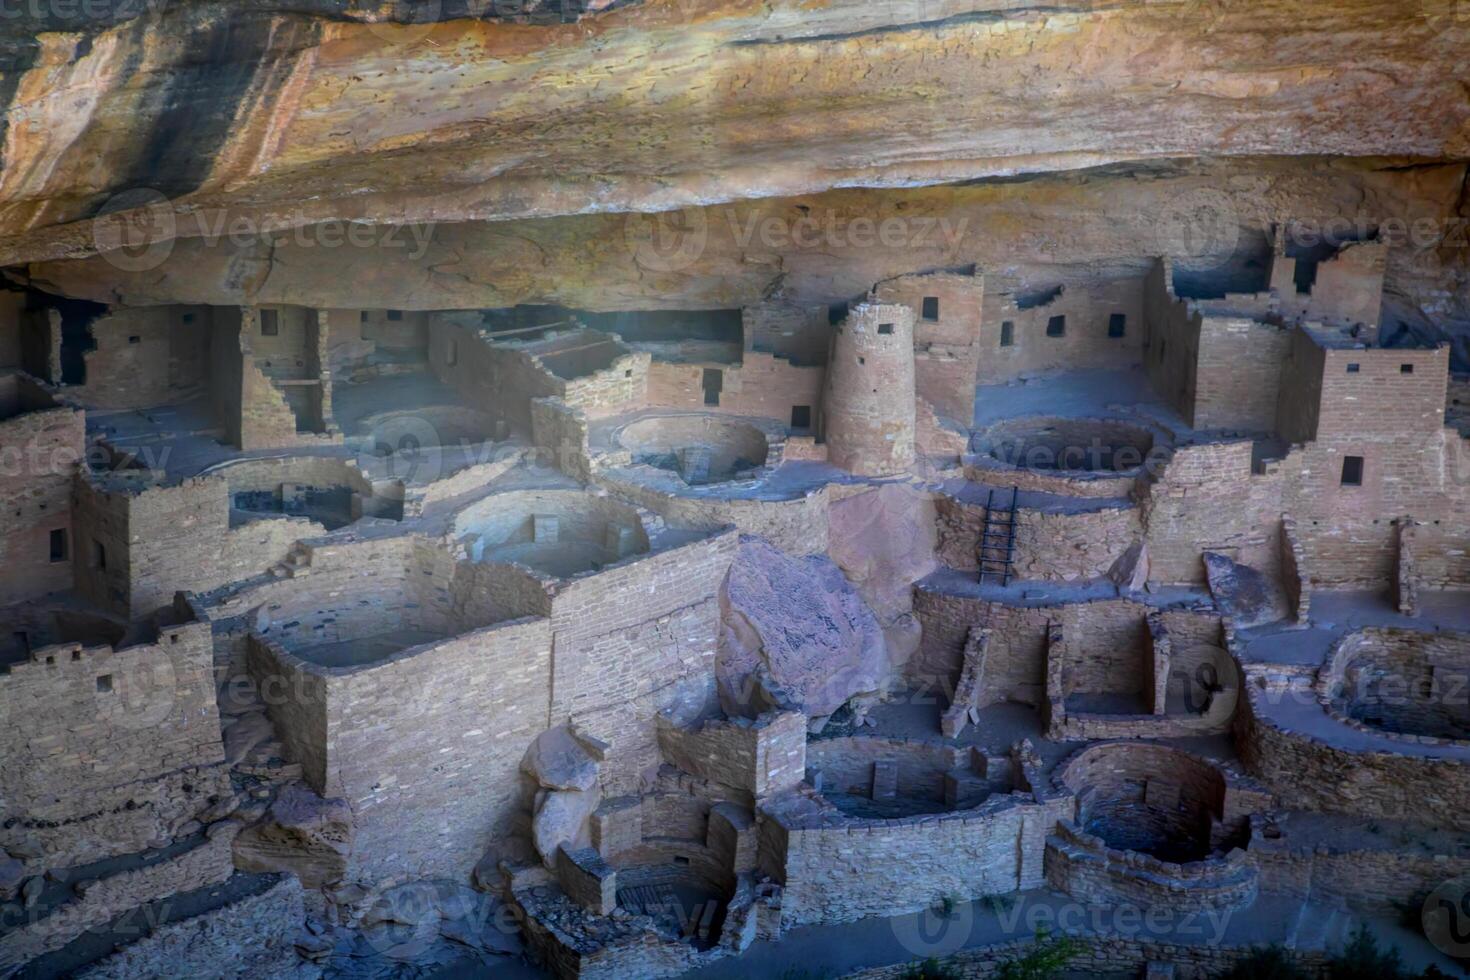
[(838, 869), (797, 525), (1365, 879), (560, 433), (1294, 573), (918, 766), (757, 757), (1401, 684), (1054, 545), (209, 863), (1431, 557), (1308, 773), (254, 936), (1083, 866)]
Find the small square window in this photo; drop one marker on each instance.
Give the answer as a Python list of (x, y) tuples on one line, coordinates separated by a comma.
[(885, 328), (931, 308), (362, 317), (187, 318), (395, 315), (1007, 333), (58, 544), (1352, 471), (104, 683), (270, 323), (628, 373), (1118, 325), (1354, 368), (135, 339), (1406, 369), (1056, 326), (801, 416)]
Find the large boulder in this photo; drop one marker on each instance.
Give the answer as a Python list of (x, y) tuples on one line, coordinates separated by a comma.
[(797, 625), (302, 833), (884, 541), (557, 760), (1243, 594), (563, 819)]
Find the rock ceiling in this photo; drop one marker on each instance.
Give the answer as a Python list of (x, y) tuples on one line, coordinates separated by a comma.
[(1064, 134)]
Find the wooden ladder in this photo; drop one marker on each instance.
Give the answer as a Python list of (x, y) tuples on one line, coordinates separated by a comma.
[(998, 539)]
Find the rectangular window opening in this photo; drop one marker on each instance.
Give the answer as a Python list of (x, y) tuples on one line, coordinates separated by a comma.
[(395, 315), (713, 382), (99, 556), (1007, 333), (1406, 369), (1118, 325), (1354, 368), (270, 323), (1352, 471), (104, 683), (135, 339), (801, 416), (931, 308), (58, 544), (885, 328), (1056, 326)]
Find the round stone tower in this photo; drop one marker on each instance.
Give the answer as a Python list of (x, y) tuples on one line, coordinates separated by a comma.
[(868, 405)]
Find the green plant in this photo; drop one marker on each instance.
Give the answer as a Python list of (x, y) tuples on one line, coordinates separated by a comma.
[(998, 903), (1046, 959), (1265, 963), (947, 906), (930, 969)]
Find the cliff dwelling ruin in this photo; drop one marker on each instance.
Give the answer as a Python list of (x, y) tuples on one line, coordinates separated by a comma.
[(625, 489)]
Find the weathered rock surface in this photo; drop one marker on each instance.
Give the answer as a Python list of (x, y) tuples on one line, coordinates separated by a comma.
[(303, 834), (799, 621), (556, 760), (658, 104), (1130, 572), (1244, 594), (562, 818), (884, 541)]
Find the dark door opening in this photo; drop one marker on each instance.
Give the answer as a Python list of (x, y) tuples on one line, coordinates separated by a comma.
[(76, 335), (713, 384), (801, 416)]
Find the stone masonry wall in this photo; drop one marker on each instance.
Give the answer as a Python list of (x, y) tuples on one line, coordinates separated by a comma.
[(39, 453), (1085, 342), (636, 639), (93, 732)]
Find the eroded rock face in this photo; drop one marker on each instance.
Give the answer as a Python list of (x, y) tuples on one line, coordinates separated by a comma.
[(563, 819), (298, 113), (302, 833), (798, 625), (884, 541), (556, 760), (1244, 594)]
